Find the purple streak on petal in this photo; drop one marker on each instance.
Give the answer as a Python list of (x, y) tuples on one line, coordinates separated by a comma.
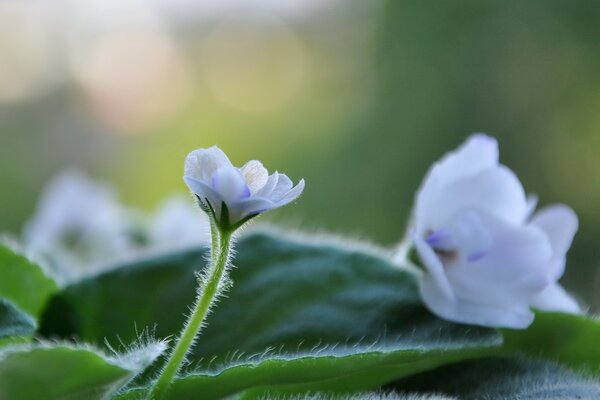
[(437, 238), (246, 193), (476, 256), (213, 182)]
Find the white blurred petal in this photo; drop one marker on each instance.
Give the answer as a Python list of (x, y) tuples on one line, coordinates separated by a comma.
[(516, 317), (514, 269), (179, 223), (560, 223), (466, 234), (497, 190), (471, 230), (434, 267), (555, 298), (79, 227), (478, 153), (532, 202)]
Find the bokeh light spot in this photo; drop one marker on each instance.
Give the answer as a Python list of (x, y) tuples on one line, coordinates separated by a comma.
[(134, 79), (253, 62)]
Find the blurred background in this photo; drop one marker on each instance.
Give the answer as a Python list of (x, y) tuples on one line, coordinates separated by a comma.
[(357, 97)]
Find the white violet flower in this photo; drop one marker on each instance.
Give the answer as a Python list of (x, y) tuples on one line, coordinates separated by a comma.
[(79, 226), (486, 261), (178, 224), (234, 195)]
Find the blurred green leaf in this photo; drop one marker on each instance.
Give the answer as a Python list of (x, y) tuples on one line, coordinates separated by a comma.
[(503, 378), (300, 314), (14, 322), (24, 283), (59, 372), (570, 339)]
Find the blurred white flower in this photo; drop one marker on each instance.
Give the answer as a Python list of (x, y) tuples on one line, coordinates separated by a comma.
[(179, 224), (233, 194), (81, 229), (79, 226), (486, 262)]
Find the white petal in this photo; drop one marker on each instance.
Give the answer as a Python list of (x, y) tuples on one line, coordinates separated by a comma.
[(468, 236), (478, 153), (496, 190), (517, 317), (255, 174), (532, 202), (433, 265), (230, 184), (513, 270), (72, 202), (555, 298), (292, 194), (202, 163), (560, 223), (252, 206), (178, 223), (206, 193), (257, 205), (267, 189), (283, 186)]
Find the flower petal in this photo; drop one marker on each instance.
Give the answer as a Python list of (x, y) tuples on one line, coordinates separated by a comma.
[(251, 206), (532, 202), (478, 153), (560, 223), (267, 189), (434, 266), (255, 175), (205, 192), (284, 185), (496, 190), (202, 163), (517, 317), (230, 184), (468, 236), (555, 298), (257, 205), (513, 270), (292, 194)]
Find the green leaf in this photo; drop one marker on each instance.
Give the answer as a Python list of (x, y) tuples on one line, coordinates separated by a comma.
[(14, 322), (303, 315), (503, 378), (573, 340), (356, 396), (60, 372), (329, 372), (24, 283)]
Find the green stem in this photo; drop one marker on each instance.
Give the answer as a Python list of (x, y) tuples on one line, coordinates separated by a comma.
[(203, 303), (214, 238)]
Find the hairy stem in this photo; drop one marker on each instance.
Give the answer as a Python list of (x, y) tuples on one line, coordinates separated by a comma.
[(206, 297)]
